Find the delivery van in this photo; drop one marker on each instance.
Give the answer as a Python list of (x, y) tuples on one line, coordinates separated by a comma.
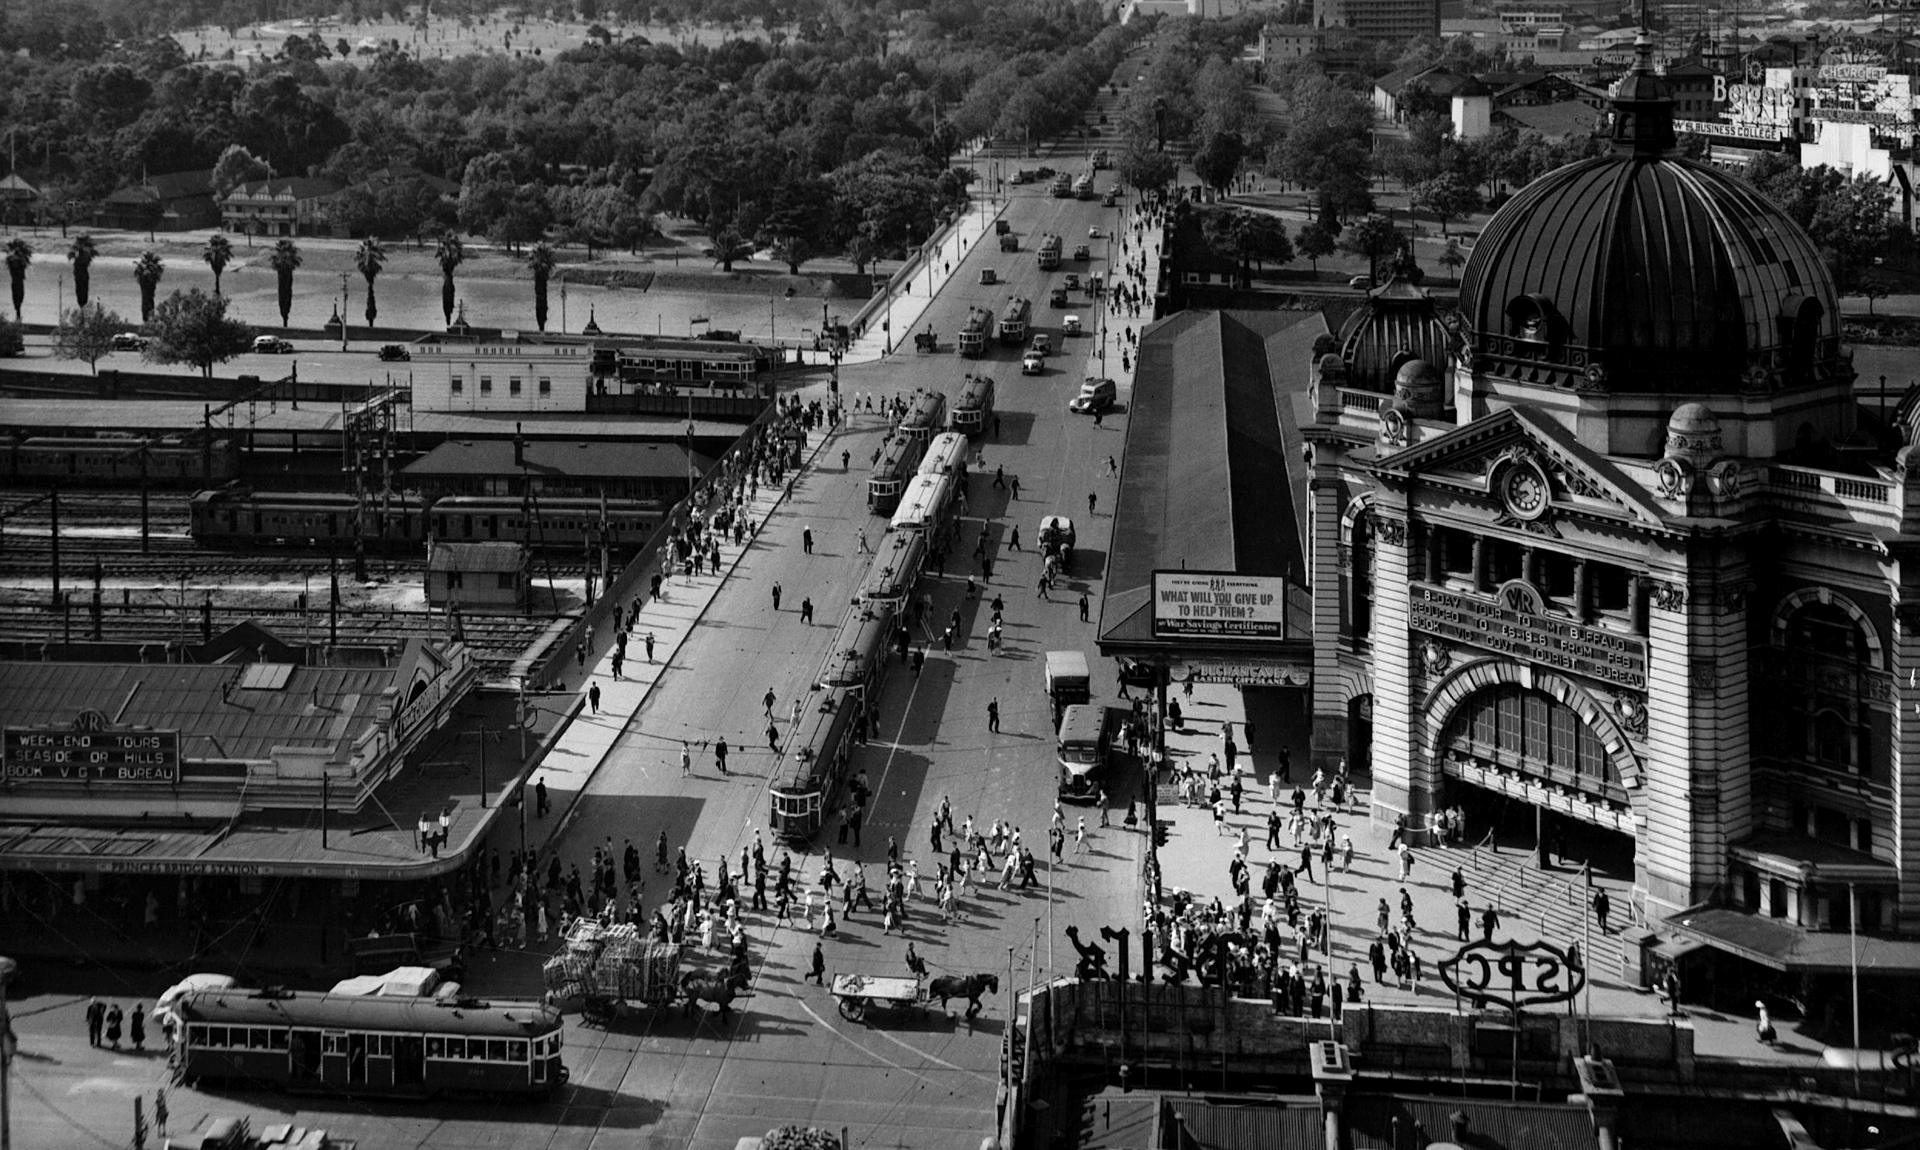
[(1067, 680)]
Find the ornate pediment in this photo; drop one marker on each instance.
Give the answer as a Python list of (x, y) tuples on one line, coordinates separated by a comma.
[(1530, 465)]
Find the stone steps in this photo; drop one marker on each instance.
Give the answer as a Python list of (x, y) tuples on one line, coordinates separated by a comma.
[(1553, 905)]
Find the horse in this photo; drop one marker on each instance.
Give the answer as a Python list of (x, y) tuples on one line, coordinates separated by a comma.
[(970, 988), (721, 992)]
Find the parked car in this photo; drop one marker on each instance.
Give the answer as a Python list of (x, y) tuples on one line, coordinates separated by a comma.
[(1360, 282), (1096, 395), (394, 353), (129, 341), (1033, 363), (271, 345)]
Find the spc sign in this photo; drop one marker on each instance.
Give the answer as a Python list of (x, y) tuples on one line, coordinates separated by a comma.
[(1513, 974)]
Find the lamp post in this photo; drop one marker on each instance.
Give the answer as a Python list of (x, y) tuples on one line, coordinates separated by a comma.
[(343, 311)]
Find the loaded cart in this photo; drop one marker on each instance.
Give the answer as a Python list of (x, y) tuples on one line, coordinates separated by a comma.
[(609, 967), (857, 992)]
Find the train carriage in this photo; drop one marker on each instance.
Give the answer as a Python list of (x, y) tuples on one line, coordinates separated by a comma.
[(237, 517), (924, 506), (120, 461), (973, 411), (947, 455), (896, 568), (547, 524), (372, 1044), (815, 764), (926, 416), (888, 481)]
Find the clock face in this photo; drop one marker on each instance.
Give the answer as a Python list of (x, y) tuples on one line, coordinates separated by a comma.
[(1524, 491)]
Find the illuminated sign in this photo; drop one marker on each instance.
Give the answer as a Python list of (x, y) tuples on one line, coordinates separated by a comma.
[(1874, 116), (1728, 131), (1513, 623), (89, 751), (1513, 974), (1755, 105), (1219, 605)]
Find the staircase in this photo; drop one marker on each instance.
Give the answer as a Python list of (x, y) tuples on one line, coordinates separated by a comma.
[(1554, 904)]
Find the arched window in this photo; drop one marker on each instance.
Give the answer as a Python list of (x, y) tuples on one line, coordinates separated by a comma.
[(1823, 714), (1531, 732), (1360, 579)]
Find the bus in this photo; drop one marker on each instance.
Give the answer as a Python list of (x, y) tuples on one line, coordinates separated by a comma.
[(973, 411), (974, 333), (926, 416), (1013, 321), (895, 570), (924, 507), (948, 455), (1081, 748), (815, 763), (369, 1044), (899, 455), (1049, 254)]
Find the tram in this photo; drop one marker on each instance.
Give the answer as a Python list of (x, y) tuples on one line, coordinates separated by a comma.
[(924, 506), (1013, 321), (926, 416), (947, 455), (895, 569), (859, 649), (974, 333), (973, 411), (816, 763), (353, 1044), (888, 481)]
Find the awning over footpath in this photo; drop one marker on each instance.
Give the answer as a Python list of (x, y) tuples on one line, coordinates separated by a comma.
[(1785, 946)]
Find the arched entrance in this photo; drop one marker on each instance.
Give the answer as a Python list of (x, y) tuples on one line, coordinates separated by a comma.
[(1360, 734), (1534, 758)]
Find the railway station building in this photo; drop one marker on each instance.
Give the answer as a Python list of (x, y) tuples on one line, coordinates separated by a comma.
[(1609, 556)]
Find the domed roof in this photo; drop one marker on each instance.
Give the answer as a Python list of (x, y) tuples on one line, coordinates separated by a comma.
[(1398, 321), (1643, 271)]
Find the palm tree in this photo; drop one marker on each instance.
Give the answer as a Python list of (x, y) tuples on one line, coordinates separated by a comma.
[(147, 271), (285, 257), (370, 258), (541, 260), (19, 255), (81, 253), (451, 253), (218, 253)]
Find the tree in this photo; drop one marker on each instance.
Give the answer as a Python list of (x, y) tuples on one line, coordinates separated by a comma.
[(192, 327), (1453, 259), (87, 332), (1850, 223), (1316, 241), (237, 166), (218, 253), (369, 258), (80, 253), (147, 271), (1375, 238), (861, 251), (541, 262), (729, 245), (1146, 170), (11, 342), (1218, 159), (19, 256), (451, 253), (1446, 197), (283, 259), (1874, 286), (1326, 147)]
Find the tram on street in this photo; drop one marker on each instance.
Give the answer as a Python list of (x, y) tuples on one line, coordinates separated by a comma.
[(372, 1044), (924, 506), (926, 416), (896, 568), (947, 455), (973, 411), (859, 647), (816, 763), (975, 332), (1013, 321), (899, 455)]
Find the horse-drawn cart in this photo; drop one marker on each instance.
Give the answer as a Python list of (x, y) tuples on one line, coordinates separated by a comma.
[(610, 967), (859, 992)]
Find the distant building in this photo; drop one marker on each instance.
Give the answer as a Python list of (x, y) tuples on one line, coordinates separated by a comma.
[(479, 575), (1467, 101), (453, 374), (560, 468), (1283, 43), (175, 202), (289, 206), (1380, 20), (19, 200)]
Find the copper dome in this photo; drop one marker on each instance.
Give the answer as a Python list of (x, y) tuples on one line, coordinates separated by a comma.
[(1642, 271)]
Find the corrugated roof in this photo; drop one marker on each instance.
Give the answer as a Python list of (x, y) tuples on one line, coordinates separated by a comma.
[(1490, 1125), (1209, 1124), (299, 187), (618, 459), (1562, 118), (324, 707), (477, 557)]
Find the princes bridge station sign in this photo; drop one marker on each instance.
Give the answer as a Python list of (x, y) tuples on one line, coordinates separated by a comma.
[(1514, 622), (89, 751)]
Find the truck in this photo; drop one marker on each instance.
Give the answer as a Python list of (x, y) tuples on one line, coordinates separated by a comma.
[(1009, 242), (1083, 742), (1049, 255), (1068, 682)]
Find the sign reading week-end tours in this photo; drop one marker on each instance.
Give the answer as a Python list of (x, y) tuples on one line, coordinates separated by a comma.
[(1218, 605), (88, 750)]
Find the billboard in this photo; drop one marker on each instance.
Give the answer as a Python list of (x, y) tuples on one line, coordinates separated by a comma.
[(89, 751), (1219, 605)]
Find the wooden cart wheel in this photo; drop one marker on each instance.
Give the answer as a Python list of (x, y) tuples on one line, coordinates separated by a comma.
[(853, 1009)]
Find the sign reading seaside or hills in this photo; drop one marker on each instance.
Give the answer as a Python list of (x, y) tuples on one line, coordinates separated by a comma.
[(1219, 605), (89, 751)]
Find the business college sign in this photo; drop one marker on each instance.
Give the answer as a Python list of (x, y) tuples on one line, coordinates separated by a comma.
[(1219, 605), (89, 751), (1513, 974), (1515, 623)]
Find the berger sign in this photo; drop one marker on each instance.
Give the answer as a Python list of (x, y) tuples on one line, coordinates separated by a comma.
[(89, 751), (1219, 605), (1513, 974)]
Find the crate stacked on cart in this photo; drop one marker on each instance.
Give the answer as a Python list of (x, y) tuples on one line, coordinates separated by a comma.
[(570, 973)]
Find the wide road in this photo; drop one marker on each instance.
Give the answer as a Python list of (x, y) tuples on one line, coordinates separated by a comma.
[(905, 1080)]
